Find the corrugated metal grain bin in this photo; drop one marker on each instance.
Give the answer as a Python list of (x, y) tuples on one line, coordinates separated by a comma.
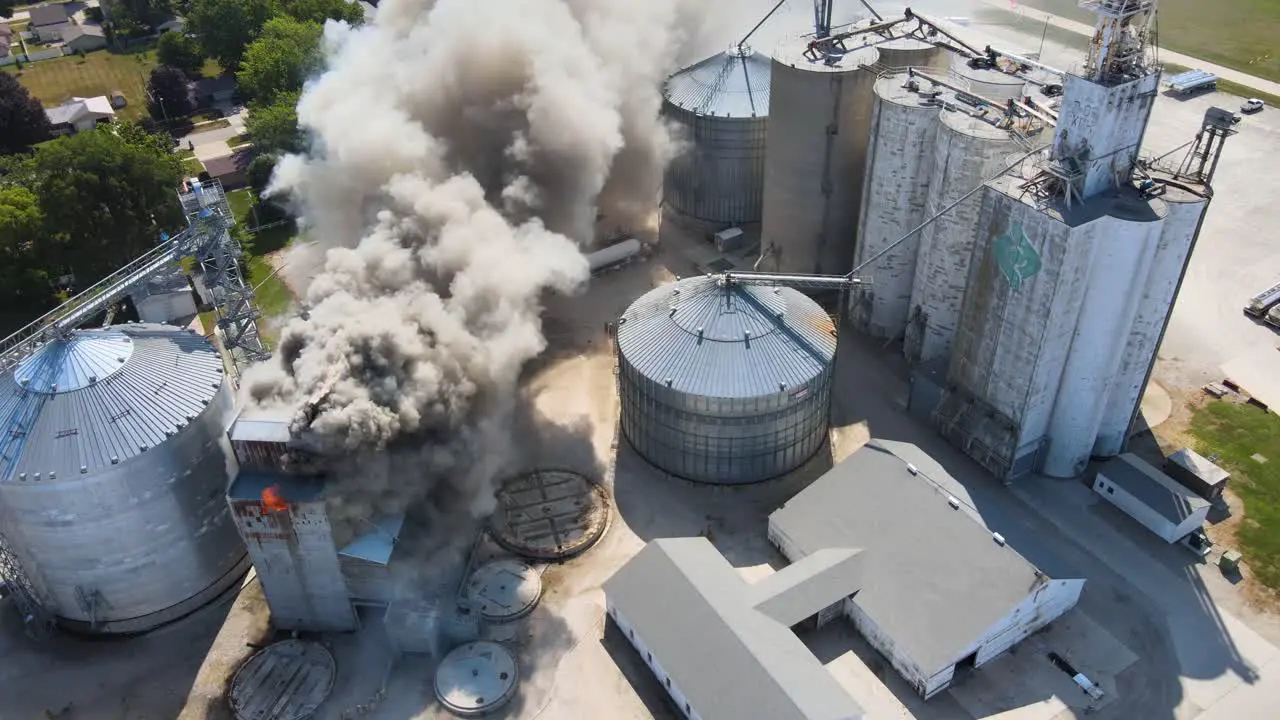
[(724, 383)]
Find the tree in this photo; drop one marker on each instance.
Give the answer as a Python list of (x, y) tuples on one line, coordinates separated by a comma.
[(6, 8), (317, 11), (147, 14), (260, 169), (167, 93), (280, 59), (24, 281), (181, 51), (22, 119), (226, 27), (106, 196), (274, 128)]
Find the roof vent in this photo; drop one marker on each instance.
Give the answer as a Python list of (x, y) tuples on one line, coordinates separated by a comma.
[(668, 382), (93, 379), (84, 469), (191, 416), (53, 476), (777, 290), (953, 502), (673, 312), (142, 447), (35, 476), (53, 387), (913, 469), (782, 387), (675, 291), (998, 538), (746, 334), (22, 476), (119, 358), (115, 460)]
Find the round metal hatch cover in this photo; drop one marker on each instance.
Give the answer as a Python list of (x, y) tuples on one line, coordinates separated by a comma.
[(476, 678), (504, 590), (550, 514), (284, 681)]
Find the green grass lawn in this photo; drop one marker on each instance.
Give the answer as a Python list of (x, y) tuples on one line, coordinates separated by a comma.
[(97, 73), (1239, 34), (272, 295), (192, 167), (1237, 432)]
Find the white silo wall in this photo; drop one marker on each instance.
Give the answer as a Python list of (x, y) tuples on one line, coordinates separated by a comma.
[(902, 53), (1121, 262), (967, 152), (895, 189), (989, 83), (1176, 240), (815, 154)]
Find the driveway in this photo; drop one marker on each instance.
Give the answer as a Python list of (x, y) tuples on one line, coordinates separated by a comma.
[(213, 143)]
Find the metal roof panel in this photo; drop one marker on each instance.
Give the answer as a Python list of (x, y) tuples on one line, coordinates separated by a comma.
[(734, 83)]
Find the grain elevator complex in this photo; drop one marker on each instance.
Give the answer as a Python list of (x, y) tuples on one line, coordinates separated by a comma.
[(986, 220)]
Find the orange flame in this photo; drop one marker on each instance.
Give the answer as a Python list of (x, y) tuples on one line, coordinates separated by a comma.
[(273, 501)]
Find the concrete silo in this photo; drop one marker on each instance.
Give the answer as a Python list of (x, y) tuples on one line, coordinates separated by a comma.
[(968, 148), (815, 156), (1125, 244), (721, 109), (895, 190), (725, 383), (904, 52), (1187, 202), (113, 474), (986, 81)]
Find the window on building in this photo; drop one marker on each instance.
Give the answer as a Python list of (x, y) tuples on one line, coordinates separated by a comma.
[(1111, 491)]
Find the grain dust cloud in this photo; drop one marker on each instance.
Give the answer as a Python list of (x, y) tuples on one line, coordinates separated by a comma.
[(459, 153)]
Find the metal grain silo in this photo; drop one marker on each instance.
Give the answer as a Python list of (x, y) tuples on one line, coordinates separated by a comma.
[(113, 472), (815, 156), (721, 109), (968, 148), (1186, 202), (725, 383), (894, 194)]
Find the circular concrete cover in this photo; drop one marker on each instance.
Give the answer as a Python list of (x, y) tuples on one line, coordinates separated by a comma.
[(550, 514), (476, 678), (504, 590), (284, 681)]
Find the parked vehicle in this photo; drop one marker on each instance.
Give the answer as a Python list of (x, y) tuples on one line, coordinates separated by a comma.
[(1273, 317), (1259, 304), (1252, 105)]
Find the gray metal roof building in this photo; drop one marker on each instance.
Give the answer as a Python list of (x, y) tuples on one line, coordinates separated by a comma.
[(721, 107), (935, 580), (722, 382), (1156, 490), (726, 646)]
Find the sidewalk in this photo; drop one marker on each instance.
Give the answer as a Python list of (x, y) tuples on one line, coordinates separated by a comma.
[(1225, 73)]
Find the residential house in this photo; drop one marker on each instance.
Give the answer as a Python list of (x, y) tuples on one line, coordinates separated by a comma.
[(84, 38), (231, 170), (48, 22), (207, 92), (78, 114)]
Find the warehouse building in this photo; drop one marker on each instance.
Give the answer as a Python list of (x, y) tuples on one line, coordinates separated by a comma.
[(724, 649), (1152, 498), (938, 593)]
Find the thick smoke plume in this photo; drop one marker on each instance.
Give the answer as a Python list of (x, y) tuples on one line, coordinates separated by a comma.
[(459, 154)]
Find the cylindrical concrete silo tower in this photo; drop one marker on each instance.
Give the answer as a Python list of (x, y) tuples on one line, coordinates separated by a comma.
[(968, 149), (724, 383), (721, 109), (894, 201), (987, 82), (905, 52), (1124, 246), (1187, 204), (114, 474), (815, 156)]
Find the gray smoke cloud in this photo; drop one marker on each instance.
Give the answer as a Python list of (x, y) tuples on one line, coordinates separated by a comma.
[(459, 154)]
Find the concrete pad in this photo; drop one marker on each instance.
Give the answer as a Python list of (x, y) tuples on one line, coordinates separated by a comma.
[(211, 150), (1259, 700), (1255, 373), (1203, 682), (1024, 685), (1157, 406)]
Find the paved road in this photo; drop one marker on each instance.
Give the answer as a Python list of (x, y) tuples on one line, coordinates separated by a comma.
[(1079, 28)]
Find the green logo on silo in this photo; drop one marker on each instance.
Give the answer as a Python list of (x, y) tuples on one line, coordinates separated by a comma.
[(1017, 259)]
